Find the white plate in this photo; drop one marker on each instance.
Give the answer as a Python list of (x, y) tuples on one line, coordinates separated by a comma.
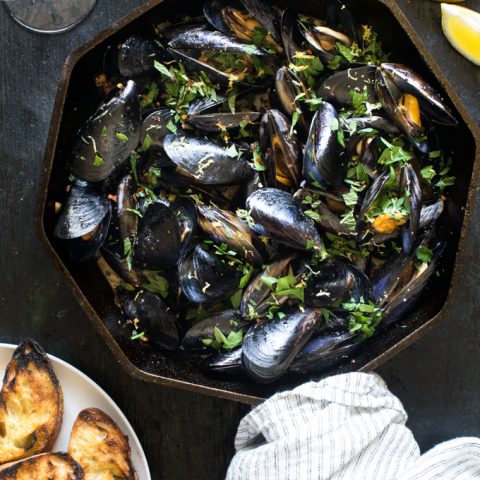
[(80, 392)]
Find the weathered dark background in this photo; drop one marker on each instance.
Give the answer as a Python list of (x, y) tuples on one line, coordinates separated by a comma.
[(186, 434)]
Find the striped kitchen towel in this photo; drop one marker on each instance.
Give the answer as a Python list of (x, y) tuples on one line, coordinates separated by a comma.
[(344, 427)]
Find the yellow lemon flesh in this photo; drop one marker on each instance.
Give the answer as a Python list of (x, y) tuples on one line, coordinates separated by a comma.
[(461, 26)]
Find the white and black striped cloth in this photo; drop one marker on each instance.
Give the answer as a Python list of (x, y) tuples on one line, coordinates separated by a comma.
[(344, 427)]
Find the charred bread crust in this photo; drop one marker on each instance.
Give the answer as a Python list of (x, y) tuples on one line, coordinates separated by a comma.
[(98, 444), (46, 466), (31, 404)]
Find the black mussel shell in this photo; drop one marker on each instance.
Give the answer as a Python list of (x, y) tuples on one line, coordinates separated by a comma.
[(136, 56), (324, 161), (278, 214), (291, 38), (395, 272), (169, 32), (224, 227), (204, 278), (114, 255), (401, 302), (224, 363), (218, 122), (205, 161), (155, 126), (410, 82), (84, 210), (108, 137), (375, 188), (282, 151), (287, 87), (186, 213), (155, 318), (85, 247), (270, 347), (324, 352), (203, 39), (213, 13), (429, 214), (126, 205), (376, 122), (411, 182), (157, 244), (228, 321), (337, 88), (336, 281), (331, 283), (195, 65)]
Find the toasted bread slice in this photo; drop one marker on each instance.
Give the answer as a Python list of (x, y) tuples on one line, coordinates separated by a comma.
[(31, 404), (47, 466), (100, 447)]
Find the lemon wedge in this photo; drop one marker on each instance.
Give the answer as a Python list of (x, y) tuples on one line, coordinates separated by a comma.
[(461, 26)]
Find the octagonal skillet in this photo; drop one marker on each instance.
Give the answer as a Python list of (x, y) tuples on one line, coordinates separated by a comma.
[(76, 99)]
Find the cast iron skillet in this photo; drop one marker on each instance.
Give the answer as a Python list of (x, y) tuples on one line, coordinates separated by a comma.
[(78, 98)]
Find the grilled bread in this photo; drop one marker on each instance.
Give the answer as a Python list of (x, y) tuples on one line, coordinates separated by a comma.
[(46, 466), (100, 447), (31, 405)]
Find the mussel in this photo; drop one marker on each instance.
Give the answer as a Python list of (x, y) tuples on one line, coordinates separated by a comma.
[(206, 162), (277, 214), (270, 347), (108, 137)]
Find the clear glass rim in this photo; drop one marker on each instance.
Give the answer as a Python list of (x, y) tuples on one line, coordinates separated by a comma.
[(55, 31)]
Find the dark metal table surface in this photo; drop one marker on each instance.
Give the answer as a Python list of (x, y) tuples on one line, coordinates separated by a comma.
[(187, 435)]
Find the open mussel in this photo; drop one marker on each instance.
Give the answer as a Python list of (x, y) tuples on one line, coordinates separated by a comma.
[(288, 87), (224, 227), (278, 215), (255, 18), (205, 161), (282, 151), (270, 347), (108, 138), (154, 318), (411, 83)]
